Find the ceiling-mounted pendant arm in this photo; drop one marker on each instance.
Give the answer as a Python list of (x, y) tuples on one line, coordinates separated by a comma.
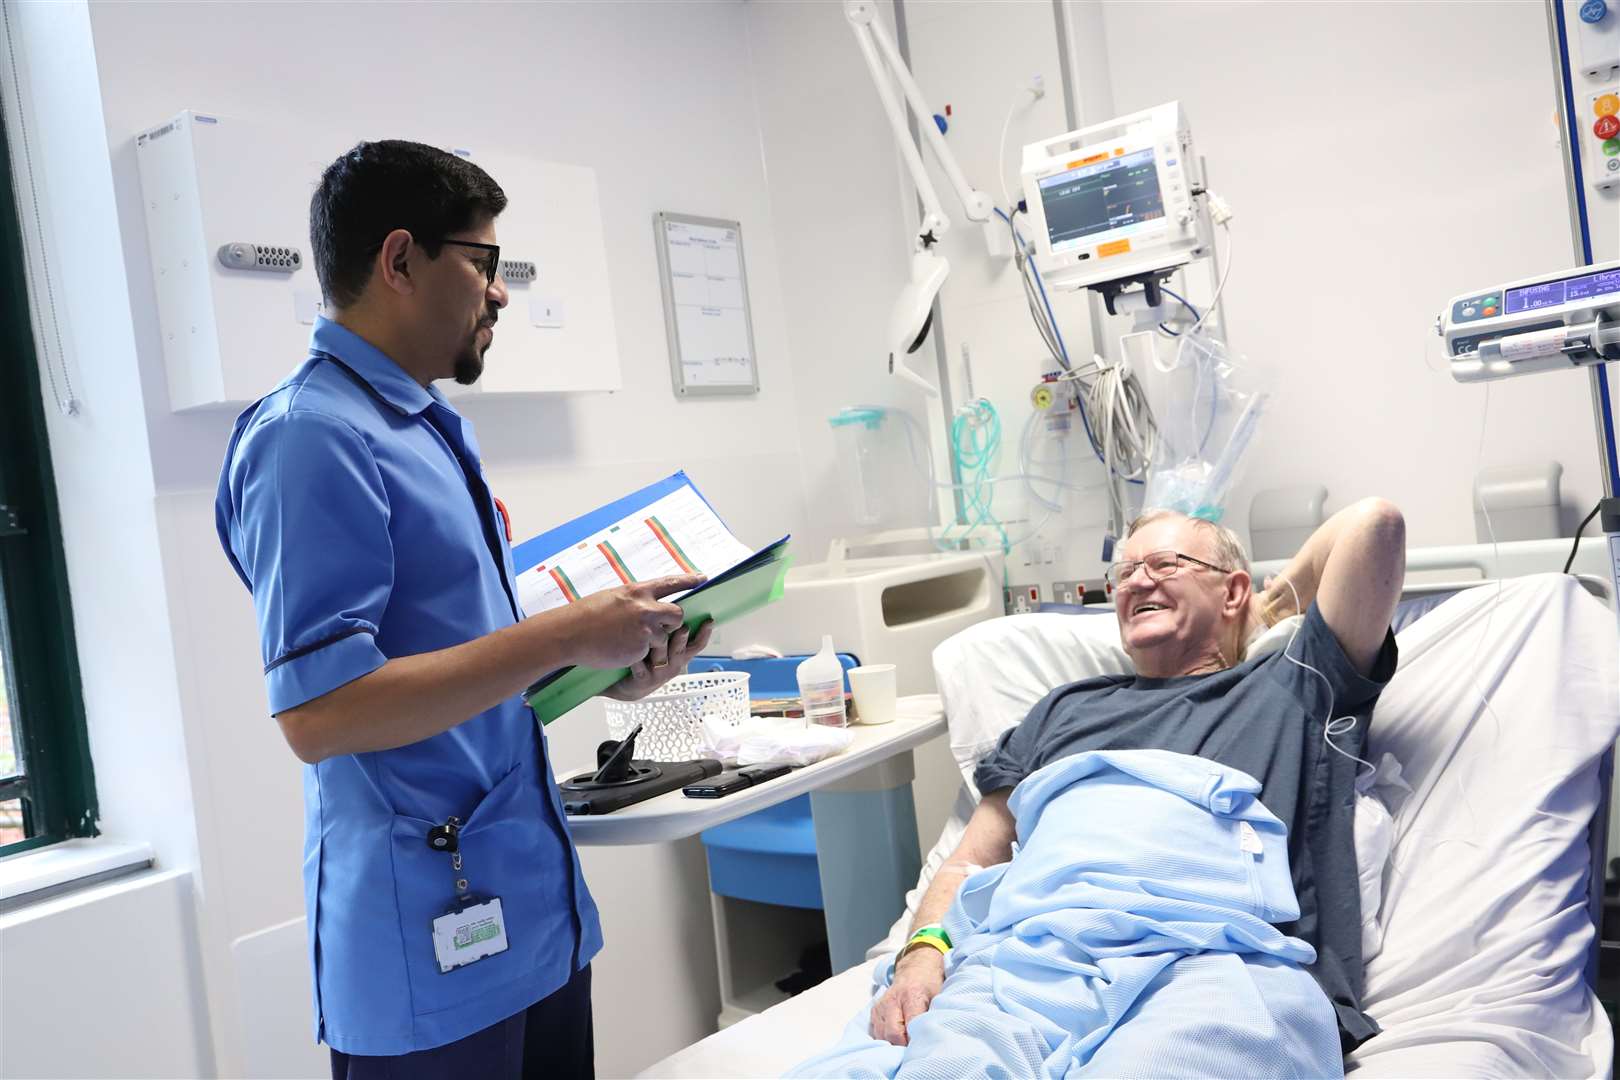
[(934, 222), (884, 62), (976, 203)]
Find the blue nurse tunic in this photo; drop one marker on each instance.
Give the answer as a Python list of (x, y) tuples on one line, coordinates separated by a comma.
[(353, 505)]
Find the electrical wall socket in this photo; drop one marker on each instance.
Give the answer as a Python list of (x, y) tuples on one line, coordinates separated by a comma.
[(1075, 592), (1068, 592), (1021, 598)]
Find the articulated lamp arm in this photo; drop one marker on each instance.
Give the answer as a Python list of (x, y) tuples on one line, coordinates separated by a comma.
[(913, 312), (887, 67)]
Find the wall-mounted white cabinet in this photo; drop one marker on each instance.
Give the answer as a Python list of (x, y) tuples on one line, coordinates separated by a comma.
[(227, 219)]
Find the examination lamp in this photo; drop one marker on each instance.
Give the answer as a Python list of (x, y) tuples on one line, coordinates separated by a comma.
[(913, 312)]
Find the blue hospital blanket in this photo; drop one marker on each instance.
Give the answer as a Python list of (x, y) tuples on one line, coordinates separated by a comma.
[(1130, 935)]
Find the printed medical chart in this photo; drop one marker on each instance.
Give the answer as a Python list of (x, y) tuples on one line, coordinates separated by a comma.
[(676, 533), (665, 528), (706, 315)]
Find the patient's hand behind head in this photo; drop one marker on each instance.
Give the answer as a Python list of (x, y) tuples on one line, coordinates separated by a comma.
[(1183, 605)]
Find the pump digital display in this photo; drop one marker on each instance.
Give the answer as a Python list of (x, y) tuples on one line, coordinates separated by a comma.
[(1553, 293), (1101, 197)]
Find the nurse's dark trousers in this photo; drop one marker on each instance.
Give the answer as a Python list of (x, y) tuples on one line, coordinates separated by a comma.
[(551, 1038)]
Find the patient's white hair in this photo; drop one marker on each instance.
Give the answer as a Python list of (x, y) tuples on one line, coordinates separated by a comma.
[(1228, 548)]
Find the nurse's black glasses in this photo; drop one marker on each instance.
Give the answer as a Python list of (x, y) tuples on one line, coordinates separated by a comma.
[(494, 250)]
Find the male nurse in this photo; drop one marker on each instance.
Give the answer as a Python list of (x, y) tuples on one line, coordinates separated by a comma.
[(450, 930)]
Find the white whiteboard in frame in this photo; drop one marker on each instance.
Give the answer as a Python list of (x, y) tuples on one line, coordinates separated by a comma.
[(706, 315)]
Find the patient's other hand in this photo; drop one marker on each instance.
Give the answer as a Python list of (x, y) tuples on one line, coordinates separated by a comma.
[(918, 976)]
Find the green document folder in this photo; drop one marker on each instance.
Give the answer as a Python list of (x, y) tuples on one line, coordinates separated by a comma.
[(746, 588)]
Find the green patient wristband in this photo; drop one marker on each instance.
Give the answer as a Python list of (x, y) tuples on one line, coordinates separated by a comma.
[(934, 937)]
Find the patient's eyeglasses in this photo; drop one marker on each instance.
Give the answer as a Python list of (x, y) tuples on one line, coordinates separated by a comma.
[(1158, 564), (494, 250)]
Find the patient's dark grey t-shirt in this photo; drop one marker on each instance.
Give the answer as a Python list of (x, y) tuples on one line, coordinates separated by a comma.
[(1264, 716)]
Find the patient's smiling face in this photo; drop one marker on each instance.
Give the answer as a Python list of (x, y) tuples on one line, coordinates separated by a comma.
[(1187, 622)]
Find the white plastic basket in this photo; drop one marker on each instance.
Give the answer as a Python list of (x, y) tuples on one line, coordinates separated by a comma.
[(672, 719)]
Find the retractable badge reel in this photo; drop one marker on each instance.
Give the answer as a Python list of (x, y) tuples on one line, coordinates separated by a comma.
[(473, 927)]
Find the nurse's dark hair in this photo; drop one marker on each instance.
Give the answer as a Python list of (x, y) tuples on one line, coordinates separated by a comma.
[(378, 187)]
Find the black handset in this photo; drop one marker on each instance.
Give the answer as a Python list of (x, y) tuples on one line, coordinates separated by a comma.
[(734, 780), (714, 787)]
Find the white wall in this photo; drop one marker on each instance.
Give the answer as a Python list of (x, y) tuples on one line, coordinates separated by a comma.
[(763, 113), (614, 88), (106, 982), (834, 177), (977, 57), (206, 774), (1333, 134), (837, 205), (616, 93), (62, 951), (1343, 137), (823, 186)]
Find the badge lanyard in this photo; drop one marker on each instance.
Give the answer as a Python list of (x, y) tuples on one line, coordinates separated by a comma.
[(447, 838), (473, 927)]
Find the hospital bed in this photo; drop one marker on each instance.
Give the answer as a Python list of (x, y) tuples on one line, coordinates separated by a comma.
[(1484, 948)]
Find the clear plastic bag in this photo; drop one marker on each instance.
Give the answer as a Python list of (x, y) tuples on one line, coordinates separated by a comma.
[(1206, 422)]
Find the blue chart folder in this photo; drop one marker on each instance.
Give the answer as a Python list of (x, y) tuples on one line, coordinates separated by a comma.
[(729, 593)]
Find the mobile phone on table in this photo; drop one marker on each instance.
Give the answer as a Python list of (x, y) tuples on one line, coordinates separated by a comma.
[(719, 785)]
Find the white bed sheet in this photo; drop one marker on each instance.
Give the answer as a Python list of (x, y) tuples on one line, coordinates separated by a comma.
[(1486, 930)]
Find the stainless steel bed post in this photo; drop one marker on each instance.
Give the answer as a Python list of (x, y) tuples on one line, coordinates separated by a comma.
[(1597, 839)]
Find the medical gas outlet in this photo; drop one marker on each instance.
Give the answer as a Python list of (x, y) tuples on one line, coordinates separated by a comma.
[(265, 257), (518, 271), (1601, 133)]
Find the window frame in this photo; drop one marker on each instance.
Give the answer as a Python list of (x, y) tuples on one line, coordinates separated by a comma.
[(56, 782)]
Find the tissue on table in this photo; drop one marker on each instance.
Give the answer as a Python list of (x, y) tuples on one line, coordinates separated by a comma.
[(770, 741)]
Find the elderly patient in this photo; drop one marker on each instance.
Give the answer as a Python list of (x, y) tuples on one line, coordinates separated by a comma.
[(1121, 935)]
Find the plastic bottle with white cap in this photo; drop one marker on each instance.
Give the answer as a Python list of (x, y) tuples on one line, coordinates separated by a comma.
[(821, 687)]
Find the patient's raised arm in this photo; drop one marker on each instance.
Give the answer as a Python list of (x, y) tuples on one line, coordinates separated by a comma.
[(1353, 567), (920, 971)]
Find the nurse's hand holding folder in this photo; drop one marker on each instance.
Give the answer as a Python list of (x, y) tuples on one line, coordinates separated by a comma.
[(665, 655)]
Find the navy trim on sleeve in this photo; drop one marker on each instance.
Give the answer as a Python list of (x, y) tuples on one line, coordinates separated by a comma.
[(317, 646)]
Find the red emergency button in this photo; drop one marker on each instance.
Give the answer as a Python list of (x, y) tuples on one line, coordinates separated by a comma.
[(1607, 127)]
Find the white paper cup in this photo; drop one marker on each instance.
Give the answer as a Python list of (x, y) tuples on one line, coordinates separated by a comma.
[(873, 688)]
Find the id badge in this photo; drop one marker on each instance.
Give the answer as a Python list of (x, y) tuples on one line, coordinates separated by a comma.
[(469, 931)]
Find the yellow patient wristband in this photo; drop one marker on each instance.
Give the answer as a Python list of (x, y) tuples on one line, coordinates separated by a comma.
[(934, 937)]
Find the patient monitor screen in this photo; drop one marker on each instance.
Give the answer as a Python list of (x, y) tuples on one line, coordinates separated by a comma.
[(1098, 196)]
